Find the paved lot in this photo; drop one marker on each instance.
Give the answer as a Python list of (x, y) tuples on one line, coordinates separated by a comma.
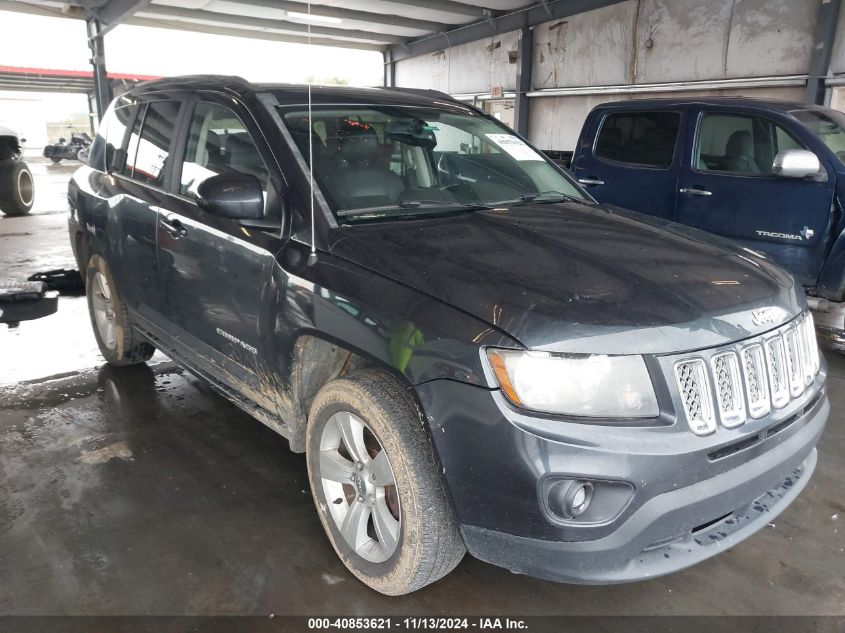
[(139, 491)]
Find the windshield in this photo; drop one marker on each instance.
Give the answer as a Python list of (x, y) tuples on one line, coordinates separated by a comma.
[(828, 125), (392, 162)]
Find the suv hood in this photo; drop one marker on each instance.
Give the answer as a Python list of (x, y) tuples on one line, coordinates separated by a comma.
[(581, 278)]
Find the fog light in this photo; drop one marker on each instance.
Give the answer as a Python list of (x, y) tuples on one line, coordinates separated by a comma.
[(572, 498)]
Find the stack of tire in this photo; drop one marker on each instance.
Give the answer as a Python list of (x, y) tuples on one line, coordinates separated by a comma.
[(17, 190)]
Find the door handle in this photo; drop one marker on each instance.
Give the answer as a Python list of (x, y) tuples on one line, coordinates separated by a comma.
[(692, 191), (590, 181), (174, 227)]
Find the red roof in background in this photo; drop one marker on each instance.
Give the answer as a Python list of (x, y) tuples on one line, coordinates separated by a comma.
[(82, 74)]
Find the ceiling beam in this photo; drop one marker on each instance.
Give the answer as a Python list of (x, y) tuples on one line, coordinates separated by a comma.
[(513, 21), (250, 33), (350, 14), (449, 6), (263, 23), (114, 12)]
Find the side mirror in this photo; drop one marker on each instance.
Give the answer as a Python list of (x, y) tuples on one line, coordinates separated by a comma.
[(23, 140), (796, 163), (237, 196)]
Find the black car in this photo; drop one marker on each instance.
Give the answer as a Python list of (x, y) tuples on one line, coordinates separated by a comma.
[(472, 353)]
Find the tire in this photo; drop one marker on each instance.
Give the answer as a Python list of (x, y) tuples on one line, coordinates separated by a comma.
[(82, 155), (119, 343), (428, 543), (17, 188), (56, 160)]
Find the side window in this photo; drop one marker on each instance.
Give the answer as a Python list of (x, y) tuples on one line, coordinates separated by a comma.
[(149, 150), (218, 143), (740, 144), (639, 138), (113, 128)]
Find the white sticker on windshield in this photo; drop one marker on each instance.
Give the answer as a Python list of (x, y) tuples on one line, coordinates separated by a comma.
[(514, 146)]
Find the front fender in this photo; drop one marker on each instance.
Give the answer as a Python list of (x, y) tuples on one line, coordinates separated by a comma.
[(410, 333)]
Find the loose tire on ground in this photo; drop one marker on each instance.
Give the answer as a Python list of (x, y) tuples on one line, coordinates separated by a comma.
[(17, 189), (118, 341), (429, 543)]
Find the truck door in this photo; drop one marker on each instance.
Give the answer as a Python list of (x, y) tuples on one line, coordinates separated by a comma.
[(632, 162), (727, 187)]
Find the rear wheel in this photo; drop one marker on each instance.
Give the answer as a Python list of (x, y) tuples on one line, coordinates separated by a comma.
[(17, 188), (118, 341), (377, 486)]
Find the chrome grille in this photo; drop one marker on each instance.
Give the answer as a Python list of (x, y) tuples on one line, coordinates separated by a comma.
[(728, 389), (695, 394), (747, 383)]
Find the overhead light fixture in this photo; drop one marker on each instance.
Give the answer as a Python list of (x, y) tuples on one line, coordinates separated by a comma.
[(314, 18)]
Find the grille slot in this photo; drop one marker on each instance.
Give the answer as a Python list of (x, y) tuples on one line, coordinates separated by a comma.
[(776, 366), (728, 383), (695, 395), (793, 362), (756, 383)]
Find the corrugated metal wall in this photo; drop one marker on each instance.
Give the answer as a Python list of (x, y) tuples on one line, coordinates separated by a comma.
[(632, 43)]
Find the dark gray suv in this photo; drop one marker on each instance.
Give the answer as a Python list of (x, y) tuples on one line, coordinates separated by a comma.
[(472, 353)]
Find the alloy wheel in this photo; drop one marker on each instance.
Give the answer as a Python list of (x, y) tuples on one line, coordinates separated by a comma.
[(103, 310), (359, 487)]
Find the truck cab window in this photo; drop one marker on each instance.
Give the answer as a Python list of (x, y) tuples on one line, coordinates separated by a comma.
[(639, 138), (739, 144)]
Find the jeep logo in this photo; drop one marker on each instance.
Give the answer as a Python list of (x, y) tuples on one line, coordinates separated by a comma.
[(761, 316)]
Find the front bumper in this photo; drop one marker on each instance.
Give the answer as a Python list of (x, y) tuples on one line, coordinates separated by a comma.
[(694, 497)]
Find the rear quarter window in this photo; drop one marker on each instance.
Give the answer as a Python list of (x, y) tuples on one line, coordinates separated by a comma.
[(644, 139)]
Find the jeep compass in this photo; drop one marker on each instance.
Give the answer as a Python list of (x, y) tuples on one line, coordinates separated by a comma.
[(471, 352)]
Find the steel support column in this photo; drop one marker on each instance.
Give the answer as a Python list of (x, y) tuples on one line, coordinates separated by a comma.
[(102, 88), (826, 19), (524, 71), (389, 69)]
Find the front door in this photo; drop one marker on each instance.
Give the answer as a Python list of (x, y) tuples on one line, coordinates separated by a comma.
[(728, 188), (215, 272)]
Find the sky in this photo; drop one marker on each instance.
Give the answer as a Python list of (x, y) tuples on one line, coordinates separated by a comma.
[(60, 43)]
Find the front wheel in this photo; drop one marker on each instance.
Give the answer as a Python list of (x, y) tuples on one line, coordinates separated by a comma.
[(118, 341), (377, 486), (82, 155)]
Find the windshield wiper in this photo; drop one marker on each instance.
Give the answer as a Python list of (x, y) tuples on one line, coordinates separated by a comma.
[(409, 208), (549, 196)]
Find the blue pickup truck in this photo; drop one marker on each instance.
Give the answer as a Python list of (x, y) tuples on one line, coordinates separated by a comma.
[(768, 174)]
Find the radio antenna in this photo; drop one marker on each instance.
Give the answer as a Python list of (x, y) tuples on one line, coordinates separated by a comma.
[(312, 257)]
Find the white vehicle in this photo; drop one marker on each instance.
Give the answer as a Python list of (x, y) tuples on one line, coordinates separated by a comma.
[(17, 191)]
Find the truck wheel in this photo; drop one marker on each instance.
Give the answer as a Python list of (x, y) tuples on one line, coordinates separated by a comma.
[(377, 485), (118, 341), (17, 190)]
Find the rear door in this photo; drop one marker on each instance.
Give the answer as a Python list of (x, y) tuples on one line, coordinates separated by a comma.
[(136, 191), (727, 187), (630, 160)]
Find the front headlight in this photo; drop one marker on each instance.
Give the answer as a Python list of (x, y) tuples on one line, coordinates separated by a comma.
[(589, 385)]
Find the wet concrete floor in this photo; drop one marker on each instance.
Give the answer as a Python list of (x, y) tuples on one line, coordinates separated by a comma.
[(141, 491)]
